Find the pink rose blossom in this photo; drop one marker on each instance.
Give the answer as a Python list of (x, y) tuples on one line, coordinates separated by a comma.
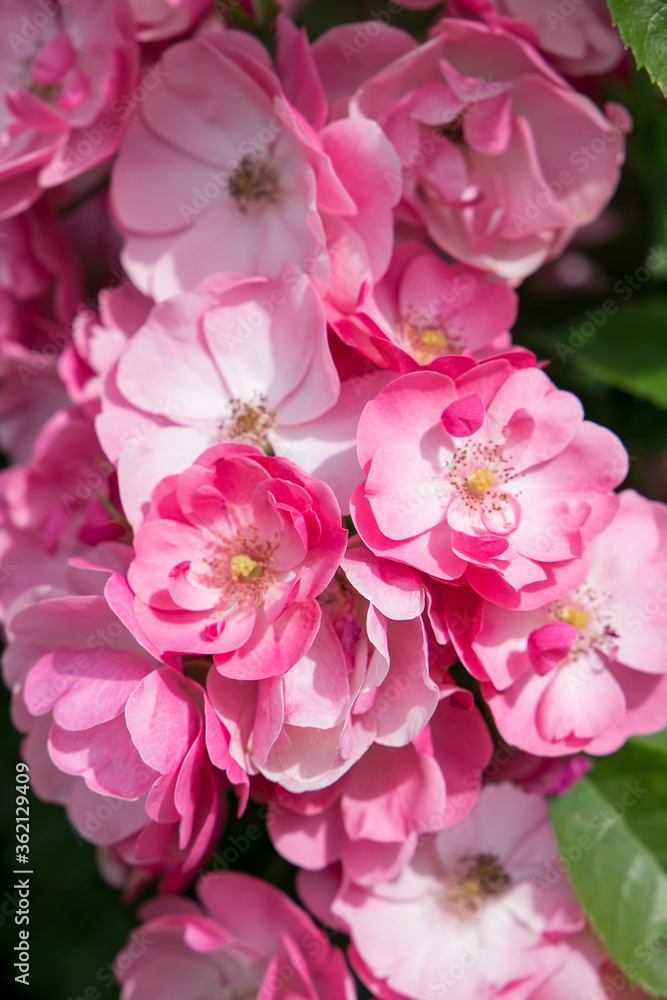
[(238, 360), (587, 670), (425, 308), (371, 818), (486, 469), (578, 41), (245, 938), (230, 559), (488, 135), (115, 735), (284, 195), (40, 283), (98, 340), (60, 494), (585, 972), (364, 680), (63, 76), (470, 899), (349, 54), (30, 393)]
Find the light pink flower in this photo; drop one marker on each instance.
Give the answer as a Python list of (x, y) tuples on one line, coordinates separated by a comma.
[(231, 557), (579, 40), (115, 735), (238, 360), (466, 914), (587, 670), (371, 818), (486, 469), (425, 308), (60, 494), (65, 72), (40, 283), (585, 972), (30, 393), (349, 54), (364, 680), (501, 159), (254, 169), (98, 340), (244, 939)]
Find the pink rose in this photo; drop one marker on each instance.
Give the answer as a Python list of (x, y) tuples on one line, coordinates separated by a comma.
[(258, 366), (371, 818), (285, 195), (66, 71), (245, 938), (469, 901), (579, 40), (486, 469), (587, 670), (365, 679), (115, 735), (425, 308), (501, 159), (230, 559)]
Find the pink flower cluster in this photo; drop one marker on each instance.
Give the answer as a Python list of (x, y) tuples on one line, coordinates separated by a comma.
[(288, 467)]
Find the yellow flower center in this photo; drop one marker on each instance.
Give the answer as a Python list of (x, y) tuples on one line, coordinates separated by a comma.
[(246, 567), (434, 339), (480, 482), (572, 615)]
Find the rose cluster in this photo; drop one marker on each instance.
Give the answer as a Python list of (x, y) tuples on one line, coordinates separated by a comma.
[(285, 467)]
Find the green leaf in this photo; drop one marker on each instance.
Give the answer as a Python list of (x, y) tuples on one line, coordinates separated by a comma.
[(641, 765), (643, 27), (617, 878), (622, 345)]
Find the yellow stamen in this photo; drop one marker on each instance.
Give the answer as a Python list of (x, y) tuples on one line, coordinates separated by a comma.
[(572, 615), (480, 482), (433, 339), (242, 565)]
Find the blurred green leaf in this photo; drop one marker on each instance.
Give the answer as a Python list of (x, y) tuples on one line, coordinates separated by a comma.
[(624, 346), (643, 27), (618, 880), (642, 766)]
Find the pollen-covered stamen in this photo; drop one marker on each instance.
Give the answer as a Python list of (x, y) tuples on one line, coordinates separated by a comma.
[(428, 338), (47, 92), (478, 473), (480, 482), (249, 423), (478, 878), (587, 609), (241, 569), (254, 182), (572, 615), (246, 567)]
